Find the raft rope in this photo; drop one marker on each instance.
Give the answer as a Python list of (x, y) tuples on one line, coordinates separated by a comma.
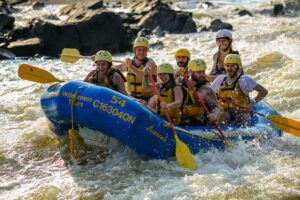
[(73, 133)]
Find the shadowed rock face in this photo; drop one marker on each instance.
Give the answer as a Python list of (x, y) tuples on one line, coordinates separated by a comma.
[(278, 10), (154, 14), (87, 30), (4, 7), (27, 47), (90, 27), (5, 54), (292, 4), (101, 31), (217, 24), (6, 21)]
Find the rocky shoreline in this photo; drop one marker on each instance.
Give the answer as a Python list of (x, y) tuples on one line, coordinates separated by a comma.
[(92, 25)]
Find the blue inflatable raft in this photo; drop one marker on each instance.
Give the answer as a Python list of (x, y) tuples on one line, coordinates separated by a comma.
[(131, 123)]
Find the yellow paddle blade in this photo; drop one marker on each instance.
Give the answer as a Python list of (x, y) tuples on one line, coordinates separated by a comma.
[(183, 155), (35, 74), (70, 55), (285, 126), (284, 120)]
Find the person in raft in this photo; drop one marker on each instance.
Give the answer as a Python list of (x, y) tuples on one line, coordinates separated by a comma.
[(182, 57), (170, 92), (136, 68), (105, 75), (224, 42), (233, 92), (193, 111)]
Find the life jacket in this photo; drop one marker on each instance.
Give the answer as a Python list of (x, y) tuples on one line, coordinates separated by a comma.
[(107, 81), (234, 94), (193, 111), (167, 93), (134, 84), (218, 68)]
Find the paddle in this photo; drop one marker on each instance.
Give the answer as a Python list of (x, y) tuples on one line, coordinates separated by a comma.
[(288, 125), (70, 55), (212, 137), (38, 75), (35, 74), (228, 144), (183, 153)]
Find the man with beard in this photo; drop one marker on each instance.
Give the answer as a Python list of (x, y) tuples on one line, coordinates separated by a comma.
[(233, 91), (137, 68), (182, 57), (224, 41), (193, 111)]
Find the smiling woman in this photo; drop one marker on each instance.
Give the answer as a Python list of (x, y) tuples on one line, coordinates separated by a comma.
[(105, 75)]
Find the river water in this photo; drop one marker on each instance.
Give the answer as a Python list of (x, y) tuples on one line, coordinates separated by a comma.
[(33, 164)]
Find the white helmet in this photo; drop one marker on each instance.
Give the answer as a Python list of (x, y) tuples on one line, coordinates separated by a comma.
[(224, 33)]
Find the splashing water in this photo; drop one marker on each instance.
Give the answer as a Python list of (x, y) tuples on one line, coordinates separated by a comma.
[(34, 163)]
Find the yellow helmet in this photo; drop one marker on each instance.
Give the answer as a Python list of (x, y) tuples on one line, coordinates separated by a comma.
[(165, 68), (183, 52), (197, 65), (104, 56), (233, 59), (141, 42)]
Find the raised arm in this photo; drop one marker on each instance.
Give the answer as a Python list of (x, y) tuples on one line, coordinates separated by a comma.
[(138, 72), (262, 92)]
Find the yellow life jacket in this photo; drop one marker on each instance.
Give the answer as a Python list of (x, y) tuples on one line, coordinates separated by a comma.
[(134, 84), (234, 94), (108, 80), (167, 94), (192, 108)]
